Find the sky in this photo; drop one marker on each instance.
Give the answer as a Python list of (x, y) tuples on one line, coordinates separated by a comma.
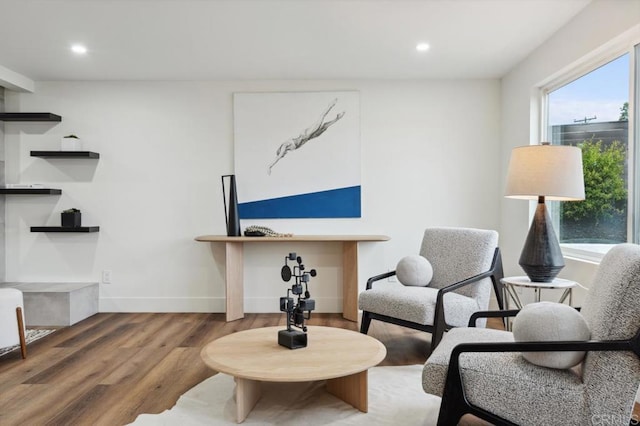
[(601, 93)]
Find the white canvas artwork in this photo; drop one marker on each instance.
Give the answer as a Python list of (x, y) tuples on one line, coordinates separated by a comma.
[(297, 154)]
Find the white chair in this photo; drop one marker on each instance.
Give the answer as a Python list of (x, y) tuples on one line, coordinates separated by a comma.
[(466, 262), (482, 371), (12, 329)]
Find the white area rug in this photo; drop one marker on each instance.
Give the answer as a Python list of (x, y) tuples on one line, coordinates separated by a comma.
[(395, 398), (29, 336)]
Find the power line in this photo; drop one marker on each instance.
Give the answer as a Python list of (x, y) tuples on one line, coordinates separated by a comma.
[(584, 120)]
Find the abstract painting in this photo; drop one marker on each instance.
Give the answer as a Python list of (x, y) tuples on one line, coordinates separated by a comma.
[(297, 154)]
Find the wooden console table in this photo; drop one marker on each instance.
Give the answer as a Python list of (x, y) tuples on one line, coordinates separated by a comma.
[(234, 283)]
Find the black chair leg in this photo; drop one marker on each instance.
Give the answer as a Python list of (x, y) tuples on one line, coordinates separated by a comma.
[(436, 337), (449, 413), (366, 321)]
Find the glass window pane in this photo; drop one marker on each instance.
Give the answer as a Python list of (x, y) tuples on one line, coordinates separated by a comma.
[(591, 113)]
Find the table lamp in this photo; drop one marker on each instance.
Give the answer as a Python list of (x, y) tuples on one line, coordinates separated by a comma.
[(537, 172)]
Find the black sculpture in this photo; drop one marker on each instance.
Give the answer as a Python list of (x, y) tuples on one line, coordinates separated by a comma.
[(290, 338)]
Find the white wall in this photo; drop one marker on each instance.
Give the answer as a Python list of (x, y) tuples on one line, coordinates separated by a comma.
[(597, 25), (2, 199), (430, 156)]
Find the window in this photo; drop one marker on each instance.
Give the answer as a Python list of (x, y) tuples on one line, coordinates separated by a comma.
[(592, 113)]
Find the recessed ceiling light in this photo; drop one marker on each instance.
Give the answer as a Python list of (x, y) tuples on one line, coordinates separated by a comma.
[(79, 49), (422, 47)]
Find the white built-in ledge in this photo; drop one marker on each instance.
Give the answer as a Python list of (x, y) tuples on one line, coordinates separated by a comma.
[(234, 247), (57, 303)]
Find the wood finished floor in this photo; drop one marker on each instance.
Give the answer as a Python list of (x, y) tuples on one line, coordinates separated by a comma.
[(109, 368)]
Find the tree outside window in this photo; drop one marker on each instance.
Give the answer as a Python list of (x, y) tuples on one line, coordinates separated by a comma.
[(591, 112), (601, 217)]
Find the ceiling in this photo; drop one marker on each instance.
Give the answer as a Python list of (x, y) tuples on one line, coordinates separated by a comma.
[(274, 39)]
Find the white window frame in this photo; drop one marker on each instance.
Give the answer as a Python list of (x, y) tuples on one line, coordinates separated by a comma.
[(624, 44)]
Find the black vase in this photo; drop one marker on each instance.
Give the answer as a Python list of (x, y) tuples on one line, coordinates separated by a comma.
[(232, 217)]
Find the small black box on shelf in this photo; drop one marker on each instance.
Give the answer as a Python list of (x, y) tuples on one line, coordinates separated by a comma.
[(71, 219)]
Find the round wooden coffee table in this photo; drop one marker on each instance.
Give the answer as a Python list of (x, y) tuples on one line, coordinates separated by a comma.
[(341, 357)]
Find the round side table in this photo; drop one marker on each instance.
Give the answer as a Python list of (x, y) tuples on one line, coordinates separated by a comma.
[(510, 284), (341, 357)]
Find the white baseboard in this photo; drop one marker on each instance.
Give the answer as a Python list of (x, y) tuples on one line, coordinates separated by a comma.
[(205, 304), (162, 304)]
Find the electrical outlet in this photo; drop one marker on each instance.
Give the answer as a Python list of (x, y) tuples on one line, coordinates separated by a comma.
[(106, 276)]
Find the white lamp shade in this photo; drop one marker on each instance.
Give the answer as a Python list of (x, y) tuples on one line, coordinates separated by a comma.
[(552, 171)]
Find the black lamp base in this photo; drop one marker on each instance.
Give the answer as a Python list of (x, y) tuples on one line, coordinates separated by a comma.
[(541, 274), (541, 257)]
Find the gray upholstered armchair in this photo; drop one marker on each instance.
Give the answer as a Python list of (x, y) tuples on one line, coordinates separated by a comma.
[(466, 262), (483, 371)]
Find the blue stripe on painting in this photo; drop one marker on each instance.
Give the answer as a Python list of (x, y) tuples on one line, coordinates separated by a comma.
[(342, 202)]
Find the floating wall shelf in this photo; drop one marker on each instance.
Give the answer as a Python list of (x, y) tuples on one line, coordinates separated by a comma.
[(31, 191), (65, 154), (29, 116), (65, 229)]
